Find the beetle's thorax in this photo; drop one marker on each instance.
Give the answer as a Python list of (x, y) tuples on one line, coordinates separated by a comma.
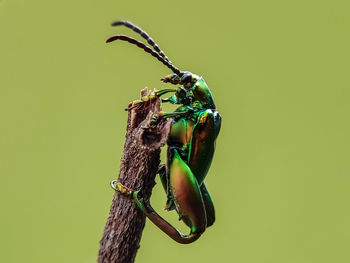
[(194, 92), (201, 94)]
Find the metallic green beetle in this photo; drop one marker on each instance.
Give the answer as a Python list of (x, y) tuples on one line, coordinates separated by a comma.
[(194, 129)]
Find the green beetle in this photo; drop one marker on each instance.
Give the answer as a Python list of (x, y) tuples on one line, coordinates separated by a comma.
[(191, 144)]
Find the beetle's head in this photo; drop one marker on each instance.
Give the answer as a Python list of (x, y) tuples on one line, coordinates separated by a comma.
[(185, 78), (184, 93)]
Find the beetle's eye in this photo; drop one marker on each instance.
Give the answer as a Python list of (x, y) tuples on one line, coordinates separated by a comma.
[(186, 78)]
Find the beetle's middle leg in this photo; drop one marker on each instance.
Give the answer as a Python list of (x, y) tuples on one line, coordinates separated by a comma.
[(164, 178), (156, 118)]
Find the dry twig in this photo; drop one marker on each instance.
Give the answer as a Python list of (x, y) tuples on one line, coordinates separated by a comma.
[(139, 165)]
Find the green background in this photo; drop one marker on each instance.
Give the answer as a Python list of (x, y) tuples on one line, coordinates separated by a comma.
[(279, 72)]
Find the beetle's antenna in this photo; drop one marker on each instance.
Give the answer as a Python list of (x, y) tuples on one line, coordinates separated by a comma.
[(143, 33), (147, 49)]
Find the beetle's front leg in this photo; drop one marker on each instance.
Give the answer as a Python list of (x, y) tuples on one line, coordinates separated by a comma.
[(152, 95)]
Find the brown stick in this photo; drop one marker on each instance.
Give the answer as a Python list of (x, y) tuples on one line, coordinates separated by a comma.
[(139, 165)]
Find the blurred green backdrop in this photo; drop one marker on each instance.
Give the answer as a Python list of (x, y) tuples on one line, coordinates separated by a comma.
[(279, 72)]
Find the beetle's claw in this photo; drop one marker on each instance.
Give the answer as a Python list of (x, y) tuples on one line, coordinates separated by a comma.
[(118, 187), (137, 105)]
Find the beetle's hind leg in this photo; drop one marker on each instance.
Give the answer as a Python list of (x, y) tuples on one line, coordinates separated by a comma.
[(122, 188), (189, 205), (156, 118), (188, 198)]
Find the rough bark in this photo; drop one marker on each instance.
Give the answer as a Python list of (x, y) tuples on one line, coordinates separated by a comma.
[(139, 165)]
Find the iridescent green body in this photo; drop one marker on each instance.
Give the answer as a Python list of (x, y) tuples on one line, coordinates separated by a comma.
[(191, 145)]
